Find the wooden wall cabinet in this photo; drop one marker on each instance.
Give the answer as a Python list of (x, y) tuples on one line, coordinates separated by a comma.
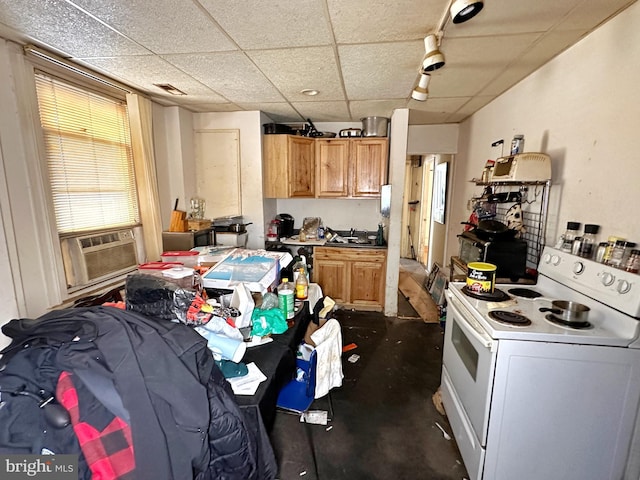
[(289, 166), (351, 167), (353, 277)]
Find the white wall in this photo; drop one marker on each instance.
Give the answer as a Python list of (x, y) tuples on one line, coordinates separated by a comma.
[(249, 124), (427, 139), (582, 109)]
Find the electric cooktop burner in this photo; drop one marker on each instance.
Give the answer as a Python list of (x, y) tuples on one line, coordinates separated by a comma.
[(510, 318), (563, 323), (524, 293), (496, 296)]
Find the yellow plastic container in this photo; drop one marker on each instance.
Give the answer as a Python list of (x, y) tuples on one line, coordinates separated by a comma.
[(481, 277)]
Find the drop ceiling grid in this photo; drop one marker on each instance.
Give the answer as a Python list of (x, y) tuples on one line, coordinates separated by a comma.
[(259, 24), (174, 27), (65, 28), (292, 70), (376, 21), (380, 71), (231, 74)]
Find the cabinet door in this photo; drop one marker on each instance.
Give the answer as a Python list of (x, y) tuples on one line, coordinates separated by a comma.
[(333, 278), (368, 166), (367, 282), (275, 151), (301, 160), (332, 159)]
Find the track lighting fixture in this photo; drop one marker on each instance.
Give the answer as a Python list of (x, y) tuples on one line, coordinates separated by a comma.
[(433, 59), (421, 92), (463, 10)]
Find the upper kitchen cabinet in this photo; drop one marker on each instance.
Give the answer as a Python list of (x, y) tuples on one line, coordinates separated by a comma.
[(333, 167), (289, 166), (351, 167)]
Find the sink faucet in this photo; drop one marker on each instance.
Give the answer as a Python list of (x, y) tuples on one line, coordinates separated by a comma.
[(352, 232)]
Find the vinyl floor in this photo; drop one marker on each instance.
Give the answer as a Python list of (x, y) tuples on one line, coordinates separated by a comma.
[(384, 424)]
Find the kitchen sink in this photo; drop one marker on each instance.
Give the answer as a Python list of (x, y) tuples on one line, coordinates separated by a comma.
[(360, 241)]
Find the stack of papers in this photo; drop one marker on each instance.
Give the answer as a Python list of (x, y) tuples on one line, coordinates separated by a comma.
[(248, 385)]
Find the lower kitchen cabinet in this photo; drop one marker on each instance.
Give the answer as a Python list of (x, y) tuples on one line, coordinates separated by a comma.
[(353, 277)]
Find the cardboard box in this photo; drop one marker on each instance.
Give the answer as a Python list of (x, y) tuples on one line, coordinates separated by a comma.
[(259, 270)]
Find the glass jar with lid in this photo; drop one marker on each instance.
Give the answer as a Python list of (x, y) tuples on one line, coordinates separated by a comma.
[(588, 242), (633, 262), (567, 238), (620, 253)]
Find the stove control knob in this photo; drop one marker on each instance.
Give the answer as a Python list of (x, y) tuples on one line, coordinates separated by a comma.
[(623, 286), (608, 279), (546, 258), (578, 268), (555, 259)]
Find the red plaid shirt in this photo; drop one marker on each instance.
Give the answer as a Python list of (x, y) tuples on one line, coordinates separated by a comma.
[(108, 452)]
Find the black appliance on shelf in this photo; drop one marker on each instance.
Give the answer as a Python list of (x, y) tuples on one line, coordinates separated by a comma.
[(509, 255), (286, 224)]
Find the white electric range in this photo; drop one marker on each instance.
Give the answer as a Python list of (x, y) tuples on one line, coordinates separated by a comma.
[(539, 398)]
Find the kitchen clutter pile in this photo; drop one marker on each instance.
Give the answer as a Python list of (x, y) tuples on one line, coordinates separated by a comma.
[(146, 387)]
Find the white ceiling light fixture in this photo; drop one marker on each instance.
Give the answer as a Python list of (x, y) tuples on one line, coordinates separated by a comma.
[(421, 92), (310, 92), (463, 10), (433, 59)]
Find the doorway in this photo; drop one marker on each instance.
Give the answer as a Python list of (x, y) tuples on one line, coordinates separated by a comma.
[(424, 215)]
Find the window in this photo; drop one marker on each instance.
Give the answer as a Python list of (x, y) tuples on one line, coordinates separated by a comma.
[(89, 157)]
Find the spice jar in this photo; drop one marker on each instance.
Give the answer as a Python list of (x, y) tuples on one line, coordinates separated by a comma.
[(569, 236), (588, 241), (611, 242), (620, 253), (633, 262), (602, 248)]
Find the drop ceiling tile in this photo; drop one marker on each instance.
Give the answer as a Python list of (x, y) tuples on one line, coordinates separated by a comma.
[(258, 24), (231, 74), (279, 112), (323, 111), (150, 69), (292, 70), (375, 21), (380, 71), (58, 24), (177, 27), (438, 105), (375, 108), (503, 17), (591, 13)]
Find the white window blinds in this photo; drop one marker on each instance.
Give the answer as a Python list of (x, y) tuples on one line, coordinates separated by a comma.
[(89, 157)]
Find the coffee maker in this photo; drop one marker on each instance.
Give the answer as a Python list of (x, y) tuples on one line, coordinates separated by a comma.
[(286, 225)]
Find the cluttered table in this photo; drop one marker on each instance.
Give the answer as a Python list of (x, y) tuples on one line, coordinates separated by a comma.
[(277, 361)]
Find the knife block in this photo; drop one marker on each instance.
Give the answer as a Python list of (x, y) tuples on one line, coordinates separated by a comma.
[(178, 221)]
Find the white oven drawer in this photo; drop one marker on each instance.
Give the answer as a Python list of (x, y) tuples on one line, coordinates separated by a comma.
[(470, 449), (469, 357)]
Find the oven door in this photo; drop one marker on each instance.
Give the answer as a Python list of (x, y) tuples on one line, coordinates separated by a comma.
[(469, 359)]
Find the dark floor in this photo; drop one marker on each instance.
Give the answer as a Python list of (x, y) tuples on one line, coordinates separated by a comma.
[(384, 424)]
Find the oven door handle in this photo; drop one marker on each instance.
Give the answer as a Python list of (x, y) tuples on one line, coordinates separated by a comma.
[(470, 325)]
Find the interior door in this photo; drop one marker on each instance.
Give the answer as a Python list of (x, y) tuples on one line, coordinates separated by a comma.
[(218, 171)]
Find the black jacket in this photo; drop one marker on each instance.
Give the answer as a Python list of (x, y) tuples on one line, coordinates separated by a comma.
[(161, 377)]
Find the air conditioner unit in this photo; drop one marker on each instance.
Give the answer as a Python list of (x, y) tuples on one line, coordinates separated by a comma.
[(90, 259)]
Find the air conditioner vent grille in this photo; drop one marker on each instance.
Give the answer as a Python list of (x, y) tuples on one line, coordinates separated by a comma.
[(109, 260)]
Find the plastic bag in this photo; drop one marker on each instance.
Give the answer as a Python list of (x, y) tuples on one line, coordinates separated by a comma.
[(156, 297), (269, 301), (266, 322)]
